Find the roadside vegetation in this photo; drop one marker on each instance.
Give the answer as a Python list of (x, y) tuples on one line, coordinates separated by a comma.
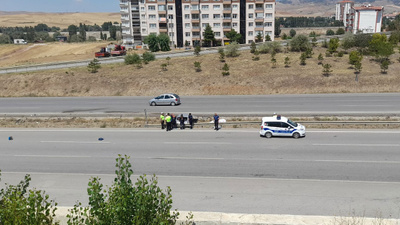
[(124, 202)]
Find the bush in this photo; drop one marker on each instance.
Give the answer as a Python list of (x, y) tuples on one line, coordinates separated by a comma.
[(92, 39), (225, 70), (5, 39), (197, 65), (125, 202), (292, 33), (132, 59), (148, 57), (330, 32), (299, 43), (19, 205), (232, 50)]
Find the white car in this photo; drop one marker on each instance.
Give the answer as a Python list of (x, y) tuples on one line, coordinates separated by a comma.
[(166, 99), (281, 126)]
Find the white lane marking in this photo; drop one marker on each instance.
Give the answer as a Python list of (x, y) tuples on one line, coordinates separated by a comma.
[(187, 158), (360, 145), (55, 156), (205, 177), (78, 142), (198, 143)]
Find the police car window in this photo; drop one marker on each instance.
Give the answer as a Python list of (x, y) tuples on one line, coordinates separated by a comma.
[(274, 124), (285, 125), (292, 123)]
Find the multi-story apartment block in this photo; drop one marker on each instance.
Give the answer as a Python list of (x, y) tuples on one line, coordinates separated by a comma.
[(184, 21), (343, 13), (365, 19), (368, 19)]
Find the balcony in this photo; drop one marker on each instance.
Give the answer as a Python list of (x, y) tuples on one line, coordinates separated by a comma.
[(227, 19), (196, 37), (227, 28), (163, 20), (196, 20), (259, 10), (259, 19), (123, 4), (259, 28), (227, 10), (163, 29), (196, 28)]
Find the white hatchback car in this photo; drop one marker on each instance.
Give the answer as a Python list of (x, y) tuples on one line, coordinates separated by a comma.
[(281, 126)]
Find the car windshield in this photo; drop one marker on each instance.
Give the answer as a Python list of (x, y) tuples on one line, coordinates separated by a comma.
[(294, 124)]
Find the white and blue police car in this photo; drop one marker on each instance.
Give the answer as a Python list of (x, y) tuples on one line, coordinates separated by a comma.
[(281, 126)]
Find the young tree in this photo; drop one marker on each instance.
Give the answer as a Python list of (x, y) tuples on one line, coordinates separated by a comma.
[(72, 30), (314, 42), (232, 50), (277, 30), (330, 32), (284, 36), (320, 58), (303, 58), (152, 41), (164, 66), (259, 37), (225, 70), (94, 66), (197, 50), (253, 47), (273, 59), (163, 41), (221, 54), (357, 67), (326, 69), (355, 57), (299, 43), (209, 36), (132, 59), (384, 66), (148, 56), (309, 52), (82, 32), (197, 65), (168, 59), (234, 36), (333, 45), (287, 61), (268, 38)]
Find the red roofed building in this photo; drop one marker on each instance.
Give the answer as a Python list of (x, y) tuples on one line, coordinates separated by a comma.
[(367, 19)]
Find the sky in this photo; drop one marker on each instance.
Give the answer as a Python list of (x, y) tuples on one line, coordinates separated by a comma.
[(60, 5)]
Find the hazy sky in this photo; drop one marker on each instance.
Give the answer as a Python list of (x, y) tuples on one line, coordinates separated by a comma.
[(60, 5)]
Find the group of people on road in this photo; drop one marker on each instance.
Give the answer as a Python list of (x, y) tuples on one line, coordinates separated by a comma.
[(169, 121)]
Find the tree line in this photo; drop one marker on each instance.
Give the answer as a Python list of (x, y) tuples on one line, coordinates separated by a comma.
[(40, 32)]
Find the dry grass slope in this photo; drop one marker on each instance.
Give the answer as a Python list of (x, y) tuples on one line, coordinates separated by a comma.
[(247, 77)]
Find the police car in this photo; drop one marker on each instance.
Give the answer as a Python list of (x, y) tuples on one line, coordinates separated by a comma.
[(281, 126)]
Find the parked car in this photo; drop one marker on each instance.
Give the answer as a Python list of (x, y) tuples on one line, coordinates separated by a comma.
[(166, 99), (281, 126)]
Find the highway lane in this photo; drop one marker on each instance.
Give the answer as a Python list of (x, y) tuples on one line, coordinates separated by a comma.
[(384, 104), (330, 172)]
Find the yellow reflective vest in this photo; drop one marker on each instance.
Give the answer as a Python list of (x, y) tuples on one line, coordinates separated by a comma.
[(168, 119)]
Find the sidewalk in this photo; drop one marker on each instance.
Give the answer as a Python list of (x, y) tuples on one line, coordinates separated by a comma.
[(216, 218)]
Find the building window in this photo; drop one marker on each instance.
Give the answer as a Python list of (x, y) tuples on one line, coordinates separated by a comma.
[(171, 25), (171, 34), (234, 24), (161, 8), (250, 24), (187, 16), (187, 25), (195, 7), (250, 33), (216, 25), (268, 15), (268, 6), (143, 30), (217, 16), (196, 16), (204, 7), (235, 6), (204, 16), (217, 34), (259, 15), (251, 6), (187, 34), (152, 17), (234, 16), (151, 8), (144, 16), (142, 9), (268, 24), (170, 7), (204, 25), (186, 7), (171, 17), (216, 7), (153, 25), (250, 15)]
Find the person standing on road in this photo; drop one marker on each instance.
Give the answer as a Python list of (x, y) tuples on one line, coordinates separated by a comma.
[(182, 122), (173, 122), (168, 119), (162, 120), (216, 120), (190, 118)]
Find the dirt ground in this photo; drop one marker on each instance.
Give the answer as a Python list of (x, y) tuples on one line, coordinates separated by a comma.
[(247, 77)]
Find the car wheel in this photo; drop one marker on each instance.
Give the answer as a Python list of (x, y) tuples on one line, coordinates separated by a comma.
[(268, 135), (153, 104), (173, 103), (296, 135)]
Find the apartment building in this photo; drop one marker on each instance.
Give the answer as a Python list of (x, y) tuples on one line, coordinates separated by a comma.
[(364, 19), (184, 21)]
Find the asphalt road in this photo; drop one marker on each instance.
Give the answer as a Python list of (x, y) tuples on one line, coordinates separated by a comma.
[(384, 104), (330, 172)]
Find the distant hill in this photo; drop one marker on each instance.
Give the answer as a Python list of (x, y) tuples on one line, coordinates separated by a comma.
[(62, 20)]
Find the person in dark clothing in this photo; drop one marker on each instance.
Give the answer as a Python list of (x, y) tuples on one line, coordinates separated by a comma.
[(216, 120), (182, 122), (174, 121), (190, 118)]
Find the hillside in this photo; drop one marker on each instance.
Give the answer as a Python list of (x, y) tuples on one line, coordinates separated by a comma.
[(247, 77)]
